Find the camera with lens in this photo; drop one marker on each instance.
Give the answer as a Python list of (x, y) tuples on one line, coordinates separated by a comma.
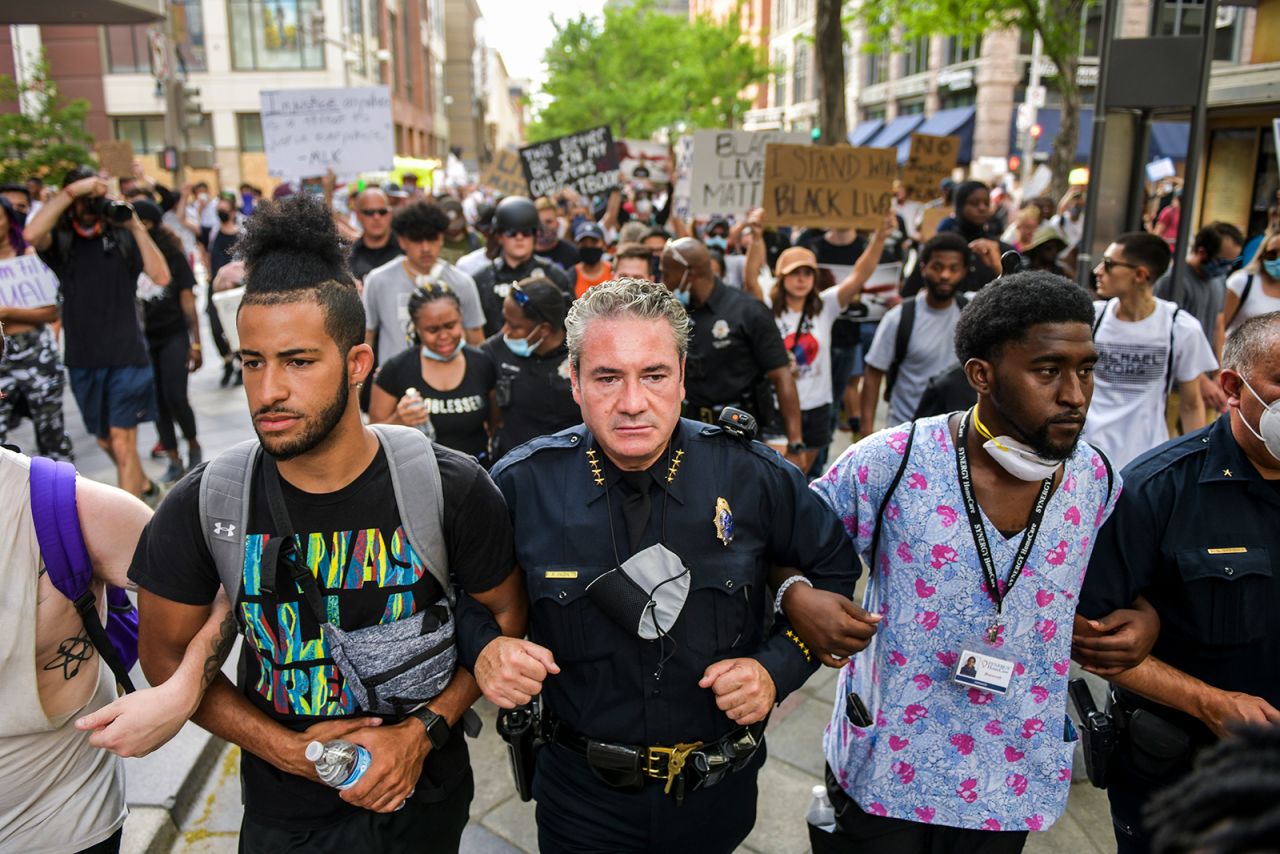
[(111, 210)]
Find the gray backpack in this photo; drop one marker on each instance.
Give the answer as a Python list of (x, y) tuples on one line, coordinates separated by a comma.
[(390, 668)]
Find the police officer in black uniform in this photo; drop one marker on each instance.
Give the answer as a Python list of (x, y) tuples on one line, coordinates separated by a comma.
[(735, 350), (532, 390), (646, 541), (515, 225), (1195, 533)]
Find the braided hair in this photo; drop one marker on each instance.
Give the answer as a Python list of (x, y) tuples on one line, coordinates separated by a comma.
[(1229, 803), (424, 295)]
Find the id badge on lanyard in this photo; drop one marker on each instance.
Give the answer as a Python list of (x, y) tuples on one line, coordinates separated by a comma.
[(987, 663)]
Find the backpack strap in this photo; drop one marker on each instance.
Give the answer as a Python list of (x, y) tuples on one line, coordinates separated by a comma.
[(1097, 321), (224, 511), (1111, 474), (419, 493), (884, 502), (1168, 368), (901, 341), (1244, 295), (57, 523)]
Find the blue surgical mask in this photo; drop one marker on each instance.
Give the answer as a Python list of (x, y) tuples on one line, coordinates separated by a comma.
[(1215, 267), (428, 353), (715, 241), (682, 297), (521, 347), (1272, 268)]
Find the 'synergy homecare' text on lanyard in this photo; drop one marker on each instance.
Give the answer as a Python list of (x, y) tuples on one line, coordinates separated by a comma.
[(979, 531)]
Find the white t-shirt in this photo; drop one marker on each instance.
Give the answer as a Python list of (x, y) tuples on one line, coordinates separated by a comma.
[(1132, 379), (930, 351), (1258, 302), (813, 350)]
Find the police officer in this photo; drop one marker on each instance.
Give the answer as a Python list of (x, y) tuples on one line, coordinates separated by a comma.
[(515, 226), (532, 389), (1195, 533), (646, 540), (734, 349)]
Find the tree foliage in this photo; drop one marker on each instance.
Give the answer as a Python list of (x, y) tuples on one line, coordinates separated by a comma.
[(1059, 23), (50, 141), (639, 70)]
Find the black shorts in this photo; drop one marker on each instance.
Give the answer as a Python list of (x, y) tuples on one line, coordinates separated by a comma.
[(815, 426)]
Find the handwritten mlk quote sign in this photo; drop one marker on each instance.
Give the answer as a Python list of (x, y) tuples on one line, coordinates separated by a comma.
[(307, 132), (25, 282), (586, 161), (932, 158), (727, 172), (505, 174), (828, 186)]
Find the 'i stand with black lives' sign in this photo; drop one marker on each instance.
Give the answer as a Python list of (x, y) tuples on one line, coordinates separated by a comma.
[(585, 161)]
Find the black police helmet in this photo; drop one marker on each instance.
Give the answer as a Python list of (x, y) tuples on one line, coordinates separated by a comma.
[(515, 212)]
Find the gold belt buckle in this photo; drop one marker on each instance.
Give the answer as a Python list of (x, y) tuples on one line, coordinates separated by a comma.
[(676, 757)]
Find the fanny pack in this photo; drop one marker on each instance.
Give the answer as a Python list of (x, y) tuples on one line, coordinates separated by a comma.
[(391, 668)]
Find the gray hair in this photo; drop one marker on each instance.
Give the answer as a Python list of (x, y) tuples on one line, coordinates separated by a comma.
[(625, 297), (1257, 339)]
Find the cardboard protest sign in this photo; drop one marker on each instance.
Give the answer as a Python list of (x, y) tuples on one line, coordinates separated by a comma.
[(307, 132), (25, 282), (930, 219), (822, 186), (586, 161), (643, 154), (727, 169), (505, 174), (680, 204), (932, 158), (115, 156)]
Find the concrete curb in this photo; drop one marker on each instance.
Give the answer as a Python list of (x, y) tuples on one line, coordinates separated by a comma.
[(153, 828)]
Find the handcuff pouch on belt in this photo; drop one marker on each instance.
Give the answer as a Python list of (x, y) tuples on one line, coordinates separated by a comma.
[(645, 594)]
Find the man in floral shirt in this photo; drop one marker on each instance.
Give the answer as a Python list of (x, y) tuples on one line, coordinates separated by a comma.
[(949, 731)]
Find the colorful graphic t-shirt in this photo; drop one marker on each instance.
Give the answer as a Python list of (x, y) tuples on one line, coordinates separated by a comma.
[(938, 751), (355, 543), (808, 340)]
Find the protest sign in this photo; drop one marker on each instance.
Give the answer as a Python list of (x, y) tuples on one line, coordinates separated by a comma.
[(25, 282), (822, 186), (1158, 170), (930, 219), (115, 156), (505, 174), (646, 155), (307, 132), (586, 161), (932, 158), (680, 205), (727, 169)]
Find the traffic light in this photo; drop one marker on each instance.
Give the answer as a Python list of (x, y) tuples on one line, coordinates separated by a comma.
[(192, 114), (815, 134), (1036, 130)]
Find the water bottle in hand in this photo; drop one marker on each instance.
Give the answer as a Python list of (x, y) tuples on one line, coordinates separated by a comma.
[(415, 398), (339, 763), (821, 815)]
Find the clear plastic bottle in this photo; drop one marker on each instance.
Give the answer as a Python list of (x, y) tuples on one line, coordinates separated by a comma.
[(821, 814), (415, 397), (339, 763)]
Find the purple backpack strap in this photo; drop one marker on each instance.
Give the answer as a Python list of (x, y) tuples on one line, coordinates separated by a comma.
[(57, 523)]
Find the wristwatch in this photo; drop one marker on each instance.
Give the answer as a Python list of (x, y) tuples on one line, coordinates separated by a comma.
[(437, 727), (795, 447)]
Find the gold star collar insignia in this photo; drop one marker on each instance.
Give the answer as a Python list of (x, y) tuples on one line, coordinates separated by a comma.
[(1226, 472), (596, 474)]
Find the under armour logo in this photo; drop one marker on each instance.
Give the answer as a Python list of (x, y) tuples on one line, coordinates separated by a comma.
[(221, 530)]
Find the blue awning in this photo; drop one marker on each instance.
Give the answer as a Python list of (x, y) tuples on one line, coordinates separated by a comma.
[(1050, 119), (1170, 139), (957, 121), (864, 131), (895, 131)]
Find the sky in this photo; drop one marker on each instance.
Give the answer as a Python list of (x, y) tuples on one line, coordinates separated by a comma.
[(521, 30)]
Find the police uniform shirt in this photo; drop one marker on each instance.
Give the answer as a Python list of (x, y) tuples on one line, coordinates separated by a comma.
[(734, 343), (533, 394), (495, 279), (612, 685), (1195, 533)]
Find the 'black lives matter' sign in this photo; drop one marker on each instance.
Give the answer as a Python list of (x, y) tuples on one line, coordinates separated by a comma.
[(586, 161)]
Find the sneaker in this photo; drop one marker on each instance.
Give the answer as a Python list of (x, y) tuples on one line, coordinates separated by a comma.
[(173, 473), (154, 494), (195, 456), (157, 453)]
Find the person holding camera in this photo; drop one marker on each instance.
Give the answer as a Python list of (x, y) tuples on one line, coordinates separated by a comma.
[(98, 247)]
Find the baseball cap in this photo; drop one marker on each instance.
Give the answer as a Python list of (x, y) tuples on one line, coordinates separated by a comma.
[(587, 229), (147, 211), (795, 257), (1044, 234)]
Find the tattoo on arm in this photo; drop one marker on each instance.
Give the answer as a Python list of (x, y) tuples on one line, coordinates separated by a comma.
[(219, 649), (72, 652)]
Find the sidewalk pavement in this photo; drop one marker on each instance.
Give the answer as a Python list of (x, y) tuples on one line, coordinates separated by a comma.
[(185, 797)]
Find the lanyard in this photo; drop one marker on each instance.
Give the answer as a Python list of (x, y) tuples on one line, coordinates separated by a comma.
[(979, 530)]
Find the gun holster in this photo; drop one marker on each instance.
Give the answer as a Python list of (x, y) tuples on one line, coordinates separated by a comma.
[(1097, 732), (521, 729)]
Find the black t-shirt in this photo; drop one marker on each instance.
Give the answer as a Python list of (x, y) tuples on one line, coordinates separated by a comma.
[(363, 260), (220, 251), (99, 284), (563, 253), (844, 332), (734, 343), (354, 540), (162, 307), (459, 414), (533, 394)]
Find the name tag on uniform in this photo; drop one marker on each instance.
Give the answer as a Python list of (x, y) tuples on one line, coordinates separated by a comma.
[(1234, 550), (561, 573), (988, 672)]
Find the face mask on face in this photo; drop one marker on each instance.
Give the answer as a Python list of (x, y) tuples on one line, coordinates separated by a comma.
[(522, 347), (224, 216), (1268, 431), (1272, 268), (428, 353), (1016, 458), (590, 255), (717, 242), (644, 207), (1215, 267)]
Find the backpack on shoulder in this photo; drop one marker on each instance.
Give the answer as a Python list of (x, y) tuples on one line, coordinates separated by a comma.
[(57, 522), (902, 341)]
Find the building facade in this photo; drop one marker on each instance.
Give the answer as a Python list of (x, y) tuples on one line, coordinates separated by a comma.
[(464, 76)]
